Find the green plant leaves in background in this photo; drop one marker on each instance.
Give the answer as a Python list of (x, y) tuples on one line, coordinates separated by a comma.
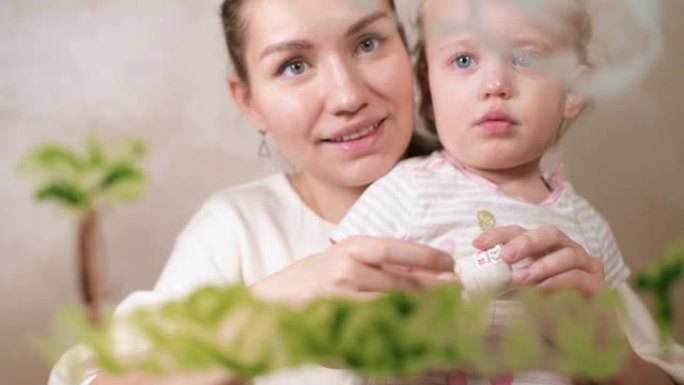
[(83, 181)]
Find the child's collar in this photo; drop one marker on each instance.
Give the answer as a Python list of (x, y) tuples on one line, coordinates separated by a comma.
[(554, 178)]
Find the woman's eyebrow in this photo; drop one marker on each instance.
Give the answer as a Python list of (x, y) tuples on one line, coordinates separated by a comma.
[(291, 45), (365, 21), (300, 45)]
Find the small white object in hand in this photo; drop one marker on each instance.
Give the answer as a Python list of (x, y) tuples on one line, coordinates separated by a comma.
[(485, 271)]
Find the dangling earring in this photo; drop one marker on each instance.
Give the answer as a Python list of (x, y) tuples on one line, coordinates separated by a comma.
[(264, 152)]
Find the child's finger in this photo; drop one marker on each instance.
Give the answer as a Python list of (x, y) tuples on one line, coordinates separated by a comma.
[(539, 241), (555, 263), (582, 281)]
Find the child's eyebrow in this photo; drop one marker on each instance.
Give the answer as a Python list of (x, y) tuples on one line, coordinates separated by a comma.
[(460, 41), (536, 41)]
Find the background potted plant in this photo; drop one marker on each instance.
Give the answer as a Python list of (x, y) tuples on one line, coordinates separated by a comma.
[(82, 184)]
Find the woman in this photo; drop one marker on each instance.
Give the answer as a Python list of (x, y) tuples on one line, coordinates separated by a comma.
[(331, 81)]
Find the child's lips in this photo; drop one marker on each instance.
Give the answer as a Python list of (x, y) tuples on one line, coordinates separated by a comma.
[(497, 126), (496, 123), (495, 116)]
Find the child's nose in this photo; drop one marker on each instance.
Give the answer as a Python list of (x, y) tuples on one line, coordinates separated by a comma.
[(496, 84)]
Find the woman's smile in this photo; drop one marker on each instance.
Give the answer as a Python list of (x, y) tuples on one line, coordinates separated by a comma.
[(358, 138)]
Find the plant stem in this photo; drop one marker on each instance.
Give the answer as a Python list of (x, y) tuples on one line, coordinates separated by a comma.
[(91, 264)]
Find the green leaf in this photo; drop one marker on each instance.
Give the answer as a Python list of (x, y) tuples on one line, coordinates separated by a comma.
[(66, 194), (645, 280), (95, 153), (130, 151), (52, 160), (121, 173), (136, 149), (122, 182)]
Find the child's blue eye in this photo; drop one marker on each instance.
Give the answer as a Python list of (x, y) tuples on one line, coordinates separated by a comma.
[(464, 61), (527, 59)]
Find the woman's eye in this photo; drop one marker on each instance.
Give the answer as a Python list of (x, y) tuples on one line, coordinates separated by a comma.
[(368, 45), (464, 61), (527, 59), (294, 68)]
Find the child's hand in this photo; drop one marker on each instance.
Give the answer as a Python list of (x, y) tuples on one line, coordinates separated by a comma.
[(557, 262)]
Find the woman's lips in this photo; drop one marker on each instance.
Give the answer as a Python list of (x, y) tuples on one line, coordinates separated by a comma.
[(360, 131), (359, 142)]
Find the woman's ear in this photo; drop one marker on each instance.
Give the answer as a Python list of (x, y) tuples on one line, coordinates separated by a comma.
[(240, 91)]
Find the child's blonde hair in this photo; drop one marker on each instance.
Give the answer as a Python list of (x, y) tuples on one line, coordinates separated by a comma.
[(578, 21)]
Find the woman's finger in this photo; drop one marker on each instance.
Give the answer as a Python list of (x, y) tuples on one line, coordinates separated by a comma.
[(203, 378), (385, 280), (390, 251)]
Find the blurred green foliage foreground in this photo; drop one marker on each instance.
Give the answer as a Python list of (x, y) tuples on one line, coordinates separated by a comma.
[(398, 334), (660, 281)]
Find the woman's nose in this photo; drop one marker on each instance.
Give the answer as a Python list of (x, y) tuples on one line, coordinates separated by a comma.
[(347, 91)]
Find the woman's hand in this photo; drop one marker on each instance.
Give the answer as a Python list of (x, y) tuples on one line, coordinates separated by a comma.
[(359, 267), (556, 261), (204, 378)]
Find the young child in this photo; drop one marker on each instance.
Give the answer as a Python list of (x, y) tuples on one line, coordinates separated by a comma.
[(499, 79)]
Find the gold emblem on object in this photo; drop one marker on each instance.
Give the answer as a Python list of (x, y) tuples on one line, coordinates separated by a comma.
[(486, 220)]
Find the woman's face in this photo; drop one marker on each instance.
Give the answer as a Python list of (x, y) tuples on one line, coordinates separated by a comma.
[(331, 81)]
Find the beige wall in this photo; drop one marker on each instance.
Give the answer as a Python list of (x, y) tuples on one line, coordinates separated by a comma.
[(155, 69)]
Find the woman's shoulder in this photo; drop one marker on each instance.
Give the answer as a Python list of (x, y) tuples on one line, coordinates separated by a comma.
[(267, 189), (244, 201)]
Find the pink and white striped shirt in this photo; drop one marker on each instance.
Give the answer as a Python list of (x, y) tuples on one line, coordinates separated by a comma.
[(435, 201)]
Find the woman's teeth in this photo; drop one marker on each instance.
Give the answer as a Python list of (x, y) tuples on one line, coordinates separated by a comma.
[(358, 134)]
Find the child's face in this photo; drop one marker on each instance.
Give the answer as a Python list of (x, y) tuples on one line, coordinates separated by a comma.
[(498, 80)]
